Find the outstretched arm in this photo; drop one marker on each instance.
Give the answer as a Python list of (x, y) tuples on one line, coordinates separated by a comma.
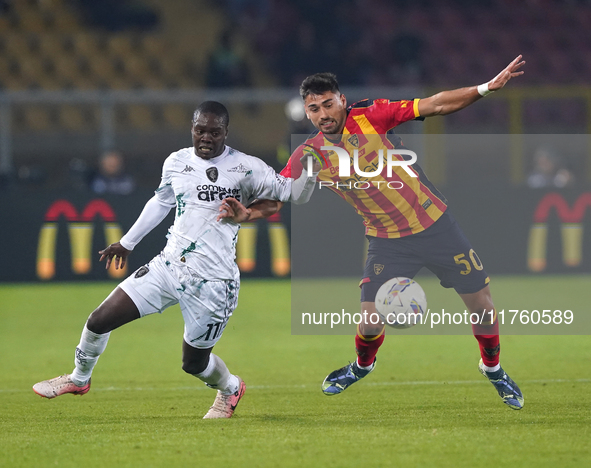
[(237, 212), (301, 191), (151, 216), (446, 102)]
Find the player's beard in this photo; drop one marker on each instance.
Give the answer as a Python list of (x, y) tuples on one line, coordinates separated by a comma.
[(332, 129)]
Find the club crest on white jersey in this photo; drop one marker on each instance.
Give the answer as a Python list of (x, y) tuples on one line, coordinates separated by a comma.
[(197, 187)]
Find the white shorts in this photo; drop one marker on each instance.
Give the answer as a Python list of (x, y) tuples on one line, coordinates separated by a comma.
[(206, 305)]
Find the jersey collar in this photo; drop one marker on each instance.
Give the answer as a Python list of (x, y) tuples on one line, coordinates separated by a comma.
[(217, 159)]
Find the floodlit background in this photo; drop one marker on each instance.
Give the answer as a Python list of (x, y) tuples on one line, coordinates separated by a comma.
[(79, 77)]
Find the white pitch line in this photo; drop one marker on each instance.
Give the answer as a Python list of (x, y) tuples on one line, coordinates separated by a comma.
[(272, 387)]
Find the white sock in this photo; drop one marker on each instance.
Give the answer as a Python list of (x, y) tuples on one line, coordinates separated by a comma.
[(491, 369), (364, 367), (216, 375), (88, 351)]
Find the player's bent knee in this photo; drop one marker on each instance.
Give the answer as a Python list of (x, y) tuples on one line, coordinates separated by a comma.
[(479, 302), (93, 326), (96, 323)]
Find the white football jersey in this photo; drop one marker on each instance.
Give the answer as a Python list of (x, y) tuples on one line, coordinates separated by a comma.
[(196, 188)]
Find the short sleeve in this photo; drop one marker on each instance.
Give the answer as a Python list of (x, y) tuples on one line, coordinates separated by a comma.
[(384, 114)]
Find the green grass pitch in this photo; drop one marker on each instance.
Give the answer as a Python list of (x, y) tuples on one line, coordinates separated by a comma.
[(425, 404)]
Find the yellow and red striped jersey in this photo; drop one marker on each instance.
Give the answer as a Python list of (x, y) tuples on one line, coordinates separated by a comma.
[(391, 207)]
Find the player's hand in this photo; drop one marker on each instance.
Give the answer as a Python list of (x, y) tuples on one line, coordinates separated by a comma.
[(115, 251), (311, 152), (234, 210), (511, 71)]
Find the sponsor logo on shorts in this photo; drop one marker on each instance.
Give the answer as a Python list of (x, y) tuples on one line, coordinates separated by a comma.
[(377, 268), (141, 271), (212, 173)]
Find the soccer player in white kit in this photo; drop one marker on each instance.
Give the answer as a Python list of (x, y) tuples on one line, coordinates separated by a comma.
[(197, 267)]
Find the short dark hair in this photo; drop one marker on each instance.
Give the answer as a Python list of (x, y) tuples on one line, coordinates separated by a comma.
[(318, 84), (215, 108)]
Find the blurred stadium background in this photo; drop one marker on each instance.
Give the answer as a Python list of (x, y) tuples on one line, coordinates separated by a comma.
[(81, 77)]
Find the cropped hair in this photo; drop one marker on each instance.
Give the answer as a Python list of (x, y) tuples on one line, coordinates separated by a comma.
[(215, 108), (318, 84)]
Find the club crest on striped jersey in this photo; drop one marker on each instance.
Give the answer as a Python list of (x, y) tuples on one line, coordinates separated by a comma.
[(354, 140)]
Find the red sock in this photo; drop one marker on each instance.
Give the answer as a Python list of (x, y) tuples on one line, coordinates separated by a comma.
[(488, 341), (367, 348)]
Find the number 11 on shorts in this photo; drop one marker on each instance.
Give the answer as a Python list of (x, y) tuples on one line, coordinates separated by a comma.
[(217, 329)]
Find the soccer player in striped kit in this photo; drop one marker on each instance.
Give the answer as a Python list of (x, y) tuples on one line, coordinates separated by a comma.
[(408, 228)]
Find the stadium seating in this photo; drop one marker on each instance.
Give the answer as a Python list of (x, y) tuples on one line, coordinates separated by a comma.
[(49, 45)]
